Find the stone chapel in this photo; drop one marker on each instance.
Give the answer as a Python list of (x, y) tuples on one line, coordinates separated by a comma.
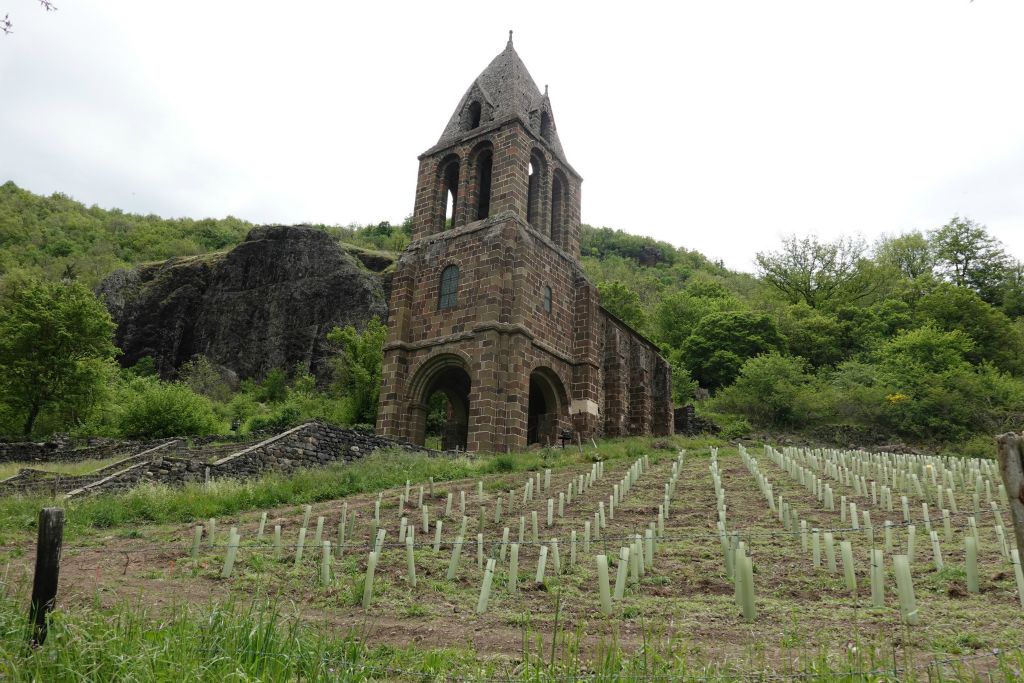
[(489, 304)]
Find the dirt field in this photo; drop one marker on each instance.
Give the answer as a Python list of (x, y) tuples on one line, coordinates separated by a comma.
[(683, 605)]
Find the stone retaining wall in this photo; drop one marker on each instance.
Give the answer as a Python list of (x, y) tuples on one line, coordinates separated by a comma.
[(45, 452), (314, 444), (29, 480)]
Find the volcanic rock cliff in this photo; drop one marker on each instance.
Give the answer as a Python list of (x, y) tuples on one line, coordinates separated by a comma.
[(268, 303)]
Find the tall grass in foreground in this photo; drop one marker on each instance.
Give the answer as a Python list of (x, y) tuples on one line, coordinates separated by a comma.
[(262, 643), (380, 470)]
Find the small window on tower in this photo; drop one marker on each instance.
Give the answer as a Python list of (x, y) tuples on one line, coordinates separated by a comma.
[(475, 110), (545, 126), (449, 288), (547, 300)]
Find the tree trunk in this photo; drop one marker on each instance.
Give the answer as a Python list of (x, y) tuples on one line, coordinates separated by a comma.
[(1011, 466), (30, 421)]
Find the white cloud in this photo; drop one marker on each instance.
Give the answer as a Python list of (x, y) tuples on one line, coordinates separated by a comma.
[(715, 126)]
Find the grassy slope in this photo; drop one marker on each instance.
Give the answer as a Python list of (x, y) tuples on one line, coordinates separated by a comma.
[(682, 610)]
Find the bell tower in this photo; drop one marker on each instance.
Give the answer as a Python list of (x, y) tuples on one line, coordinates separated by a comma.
[(496, 339), (500, 154)]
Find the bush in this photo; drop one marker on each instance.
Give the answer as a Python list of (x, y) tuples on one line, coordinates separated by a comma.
[(736, 430), (722, 342), (772, 390), (156, 409), (287, 416)]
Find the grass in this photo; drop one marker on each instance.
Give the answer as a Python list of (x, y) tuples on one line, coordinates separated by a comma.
[(159, 504), (266, 641), (678, 622), (9, 469)]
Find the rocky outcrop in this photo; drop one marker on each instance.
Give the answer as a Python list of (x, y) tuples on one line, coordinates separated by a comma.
[(268, 303)]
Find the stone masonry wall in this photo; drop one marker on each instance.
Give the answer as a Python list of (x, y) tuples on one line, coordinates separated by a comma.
[(311, 445), (29, 480), (41, 452)]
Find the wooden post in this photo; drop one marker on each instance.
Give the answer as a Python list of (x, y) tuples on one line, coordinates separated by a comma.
[(44, 583), (1011, 467)]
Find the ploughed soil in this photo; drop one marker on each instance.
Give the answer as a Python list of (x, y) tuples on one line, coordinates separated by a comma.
[(684, 604)]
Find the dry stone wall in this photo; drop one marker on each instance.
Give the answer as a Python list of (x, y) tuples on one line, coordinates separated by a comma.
[(311, 445), (46, 452)]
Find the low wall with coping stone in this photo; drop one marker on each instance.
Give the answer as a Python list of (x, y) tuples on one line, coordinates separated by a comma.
[(29, 480), (47, 452), (311, 445)]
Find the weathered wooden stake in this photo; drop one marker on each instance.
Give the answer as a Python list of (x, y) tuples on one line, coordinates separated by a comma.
[(1011, 468), (44, 582)]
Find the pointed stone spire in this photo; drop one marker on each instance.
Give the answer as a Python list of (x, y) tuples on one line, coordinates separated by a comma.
[(505, 91)]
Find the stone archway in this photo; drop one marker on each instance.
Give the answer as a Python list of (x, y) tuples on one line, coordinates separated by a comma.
[(446, 374), (548, 405)]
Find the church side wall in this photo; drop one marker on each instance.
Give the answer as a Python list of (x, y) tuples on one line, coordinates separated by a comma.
[(637, 383)]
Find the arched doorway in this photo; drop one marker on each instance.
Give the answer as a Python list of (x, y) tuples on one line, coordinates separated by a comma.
[(439, 403), (547, 404)]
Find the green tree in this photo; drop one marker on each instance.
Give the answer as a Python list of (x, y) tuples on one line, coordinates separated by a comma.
[(969, 257), (993, 335), (623, 303), (678, 313), (357, 367), (155, 410), (933, 392), (772, 390), (1012, 294), (722, 342), (203, 377), (909, 254), (55, 348), (817, 336), (817, 272)]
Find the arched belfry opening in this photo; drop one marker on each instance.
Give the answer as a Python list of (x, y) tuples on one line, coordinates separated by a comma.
[(483, 164), (534, 205), (440, 403), (449, 177), (558, 204), (547, 403)]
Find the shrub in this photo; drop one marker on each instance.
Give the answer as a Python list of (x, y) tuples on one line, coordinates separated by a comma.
[(156, 409), (722, 342), (278, 421), (736, 430), (772, 390)]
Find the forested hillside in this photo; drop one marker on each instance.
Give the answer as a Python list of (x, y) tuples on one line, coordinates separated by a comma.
[(918, 337)]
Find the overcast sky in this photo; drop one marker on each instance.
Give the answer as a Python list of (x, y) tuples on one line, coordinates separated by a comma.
[(718, 126)]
